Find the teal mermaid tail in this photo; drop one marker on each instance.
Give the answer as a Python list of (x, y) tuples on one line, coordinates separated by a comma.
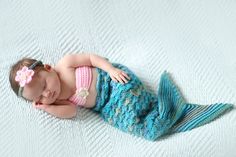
[(191, 115), (134, 109)]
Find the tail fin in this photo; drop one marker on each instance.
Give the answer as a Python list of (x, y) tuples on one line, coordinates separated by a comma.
[(170, 101), (198, 115), (184, 116)]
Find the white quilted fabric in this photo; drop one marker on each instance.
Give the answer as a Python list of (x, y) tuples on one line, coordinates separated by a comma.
[(193, 40)]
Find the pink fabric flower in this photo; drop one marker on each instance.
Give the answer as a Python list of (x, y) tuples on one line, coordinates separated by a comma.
[(24, 76)]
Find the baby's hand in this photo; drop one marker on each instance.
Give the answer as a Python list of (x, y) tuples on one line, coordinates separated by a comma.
[(40, 106), (118, 75)]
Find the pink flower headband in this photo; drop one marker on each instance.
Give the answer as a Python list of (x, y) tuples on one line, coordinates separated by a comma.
[(24, 76)]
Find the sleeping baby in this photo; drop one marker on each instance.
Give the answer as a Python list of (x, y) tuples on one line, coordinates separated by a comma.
[(111, 90)]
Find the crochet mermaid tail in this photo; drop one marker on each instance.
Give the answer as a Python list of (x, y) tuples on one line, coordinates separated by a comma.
[(192, 115), (134, 109)]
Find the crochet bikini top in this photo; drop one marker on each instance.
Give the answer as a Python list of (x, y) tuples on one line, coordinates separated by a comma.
[(83, 79)]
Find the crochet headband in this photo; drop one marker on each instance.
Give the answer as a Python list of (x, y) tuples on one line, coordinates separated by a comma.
[(24, 76)]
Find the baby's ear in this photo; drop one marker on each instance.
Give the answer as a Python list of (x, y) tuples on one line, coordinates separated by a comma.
[(47, 67)]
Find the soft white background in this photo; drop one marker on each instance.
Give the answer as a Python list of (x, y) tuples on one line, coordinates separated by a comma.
[(193, 40)]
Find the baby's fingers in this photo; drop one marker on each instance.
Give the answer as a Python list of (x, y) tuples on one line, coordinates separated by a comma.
[(119, 78), (38, 105), (126, 75), (34, 104), (123, 78), (114, 79)]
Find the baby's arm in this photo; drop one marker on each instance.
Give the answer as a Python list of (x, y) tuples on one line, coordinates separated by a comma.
[(61, 109), (86, 59)]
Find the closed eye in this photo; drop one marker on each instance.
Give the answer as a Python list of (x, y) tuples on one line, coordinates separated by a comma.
[(41, 96), (44, 87)]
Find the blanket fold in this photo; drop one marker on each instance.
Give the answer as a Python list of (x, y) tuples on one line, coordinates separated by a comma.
[(134, 109)]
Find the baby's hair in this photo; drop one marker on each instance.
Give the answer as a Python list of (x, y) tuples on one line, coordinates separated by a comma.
[(18, 65)]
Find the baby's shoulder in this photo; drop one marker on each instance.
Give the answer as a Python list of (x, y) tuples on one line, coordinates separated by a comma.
[(62, 68)]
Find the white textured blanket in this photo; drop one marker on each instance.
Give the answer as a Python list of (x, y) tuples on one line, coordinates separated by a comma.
[(193, 40)]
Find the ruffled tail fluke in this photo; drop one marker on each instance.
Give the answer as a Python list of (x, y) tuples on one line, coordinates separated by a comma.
[(185, 116)]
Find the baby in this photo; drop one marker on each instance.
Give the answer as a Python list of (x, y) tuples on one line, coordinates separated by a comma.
[(112, 90), (57, 90)]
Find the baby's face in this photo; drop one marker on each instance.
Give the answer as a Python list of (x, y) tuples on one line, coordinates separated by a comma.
[(44, 87)]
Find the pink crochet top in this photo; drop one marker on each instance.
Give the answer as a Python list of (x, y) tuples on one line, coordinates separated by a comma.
[(83, 77)]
